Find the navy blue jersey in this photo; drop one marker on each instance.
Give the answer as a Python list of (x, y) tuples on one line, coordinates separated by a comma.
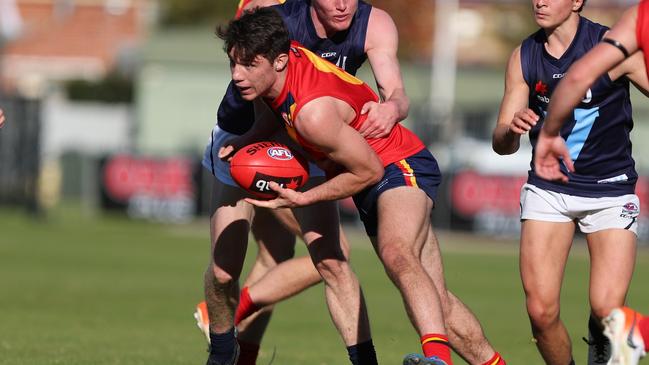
[(597, 134), (346, 50)]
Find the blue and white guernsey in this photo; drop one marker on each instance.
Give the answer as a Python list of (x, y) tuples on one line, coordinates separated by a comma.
[(597, 134)]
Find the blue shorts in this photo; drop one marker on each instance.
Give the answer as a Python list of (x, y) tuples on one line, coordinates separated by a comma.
[(419, 170)]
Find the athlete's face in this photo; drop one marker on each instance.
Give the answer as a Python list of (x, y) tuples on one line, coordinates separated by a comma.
[(253, 80), (550, 14), (335, 15)]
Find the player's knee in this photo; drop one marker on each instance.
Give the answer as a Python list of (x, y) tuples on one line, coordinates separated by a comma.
[(397, 260), (219, 276), (603, 309), (332, 270), (542, 314)]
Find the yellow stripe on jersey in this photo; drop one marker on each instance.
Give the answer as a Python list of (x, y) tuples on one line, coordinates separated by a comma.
[(325, 66)]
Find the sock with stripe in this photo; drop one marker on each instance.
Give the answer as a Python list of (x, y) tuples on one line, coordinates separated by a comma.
[(245, 308), (496, 360), (222, 345), (643, 327), (362, 353), (434, 344), (248, 354)]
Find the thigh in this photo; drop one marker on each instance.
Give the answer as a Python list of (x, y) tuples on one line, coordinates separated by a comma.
[(276, 242), (229, 227), (612, 260), (403, 219), (419, 174), (320, 226), (543, 254)]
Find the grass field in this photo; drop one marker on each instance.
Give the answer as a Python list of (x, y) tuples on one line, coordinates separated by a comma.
[(76, 289)]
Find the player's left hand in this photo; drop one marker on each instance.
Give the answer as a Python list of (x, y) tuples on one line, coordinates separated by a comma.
[(548, 153), (286, 198), (381, 118)]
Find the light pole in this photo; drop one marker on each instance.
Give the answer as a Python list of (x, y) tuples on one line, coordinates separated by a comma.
[(444, 66)]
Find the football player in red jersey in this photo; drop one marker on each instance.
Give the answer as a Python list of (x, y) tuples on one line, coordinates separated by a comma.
[(232, 217), (321, 107)]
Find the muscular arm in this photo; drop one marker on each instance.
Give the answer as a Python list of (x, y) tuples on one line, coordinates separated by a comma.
[(514, 118), (381, 44), (323, 123)]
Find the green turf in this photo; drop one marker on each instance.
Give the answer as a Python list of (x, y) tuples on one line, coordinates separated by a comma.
[(106, 290)]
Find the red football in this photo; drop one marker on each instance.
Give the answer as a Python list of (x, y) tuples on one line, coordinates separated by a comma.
[(253, 166)]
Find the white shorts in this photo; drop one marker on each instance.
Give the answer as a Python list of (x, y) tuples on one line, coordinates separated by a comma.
[(221, 169), (591, 214)]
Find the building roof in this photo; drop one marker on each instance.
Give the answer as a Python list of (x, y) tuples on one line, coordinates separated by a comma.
[(70, 39)]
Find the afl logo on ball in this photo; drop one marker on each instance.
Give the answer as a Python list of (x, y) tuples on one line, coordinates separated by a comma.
[(280, 153)]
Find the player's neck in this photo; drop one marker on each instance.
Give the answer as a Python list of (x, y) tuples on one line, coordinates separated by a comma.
[(560, 38), (278, 85)]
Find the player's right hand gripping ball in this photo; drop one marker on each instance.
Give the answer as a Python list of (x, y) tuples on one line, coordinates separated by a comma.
[(255, 165)]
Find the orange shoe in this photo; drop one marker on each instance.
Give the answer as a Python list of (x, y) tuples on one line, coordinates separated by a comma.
[(621, 328), (203, 319)]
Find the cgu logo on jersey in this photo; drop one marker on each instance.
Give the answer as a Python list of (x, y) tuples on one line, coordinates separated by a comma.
[(541, 89), (280, 153), (327, 55)]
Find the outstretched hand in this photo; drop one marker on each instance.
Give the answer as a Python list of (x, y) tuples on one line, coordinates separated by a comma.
[(286, 198), (548, 153)]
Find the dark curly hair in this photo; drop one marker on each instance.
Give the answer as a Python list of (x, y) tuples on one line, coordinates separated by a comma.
[(258, 32)]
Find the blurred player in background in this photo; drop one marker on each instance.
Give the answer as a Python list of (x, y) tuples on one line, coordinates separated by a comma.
[(2, 118), (345, 32), (321, 107), (627, 329), (599, 198)]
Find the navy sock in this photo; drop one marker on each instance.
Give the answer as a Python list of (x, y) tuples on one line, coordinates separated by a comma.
[(595, 330), (222, 345), (362, 353)]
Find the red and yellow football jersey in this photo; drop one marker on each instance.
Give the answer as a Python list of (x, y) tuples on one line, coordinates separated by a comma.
[(642, 31), (243, 3), (310, 77)]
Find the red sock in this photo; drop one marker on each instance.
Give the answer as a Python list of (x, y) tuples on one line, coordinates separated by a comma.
[(245, 308), (436, 345), (643, 326), (496, 360), (248, 354)]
